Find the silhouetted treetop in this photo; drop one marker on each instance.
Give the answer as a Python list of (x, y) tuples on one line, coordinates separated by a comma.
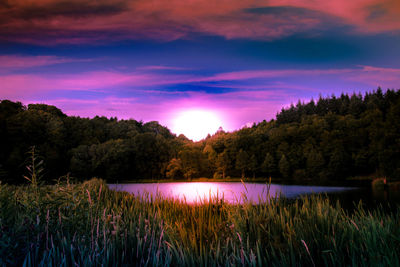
[(328, 139)]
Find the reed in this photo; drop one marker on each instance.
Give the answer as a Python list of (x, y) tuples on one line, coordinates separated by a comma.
[(88, 224)]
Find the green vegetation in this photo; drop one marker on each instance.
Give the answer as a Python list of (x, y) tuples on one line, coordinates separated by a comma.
[(329, 140), (383, 184), (87, 224)]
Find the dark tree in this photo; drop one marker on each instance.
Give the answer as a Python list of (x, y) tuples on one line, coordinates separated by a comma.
[(284, 167), (242, 162)]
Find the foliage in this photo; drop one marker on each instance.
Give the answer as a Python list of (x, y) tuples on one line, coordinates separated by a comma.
[(174, 169), (268, 166), (87, 224), (284, 167), (111, 148), (242, 162), (35, 168), (325, 140), (329, 139)]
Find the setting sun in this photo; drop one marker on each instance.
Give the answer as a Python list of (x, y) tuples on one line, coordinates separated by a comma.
[(195, 124)]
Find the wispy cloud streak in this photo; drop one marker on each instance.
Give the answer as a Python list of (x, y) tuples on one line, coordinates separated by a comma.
[(13, 62), (107, 81)]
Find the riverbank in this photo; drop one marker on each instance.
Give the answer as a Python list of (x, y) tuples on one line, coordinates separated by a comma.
[(384, 184), (88, 224), (201, 179)]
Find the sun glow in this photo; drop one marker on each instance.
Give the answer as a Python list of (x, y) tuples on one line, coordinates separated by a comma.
[(196, 192), (196, 124)]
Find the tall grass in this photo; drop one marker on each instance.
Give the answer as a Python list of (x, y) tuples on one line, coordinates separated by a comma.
[(89, 225)]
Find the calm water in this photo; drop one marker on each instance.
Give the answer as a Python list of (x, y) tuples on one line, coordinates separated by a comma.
[(232, 192)]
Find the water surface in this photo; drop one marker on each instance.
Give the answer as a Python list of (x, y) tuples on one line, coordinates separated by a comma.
[(232, 192)]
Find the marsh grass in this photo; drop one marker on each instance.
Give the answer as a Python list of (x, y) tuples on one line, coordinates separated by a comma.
[(87, 224)]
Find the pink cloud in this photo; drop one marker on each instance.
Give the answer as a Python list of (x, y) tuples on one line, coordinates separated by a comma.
[(255, 74), (359, 13), (17, 61), (21, 85), (49, 22), (160, 67), (381, 70), (26, 85), (265, 86), (375, 76)]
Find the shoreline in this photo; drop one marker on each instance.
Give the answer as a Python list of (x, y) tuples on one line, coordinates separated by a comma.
[(365, 182)]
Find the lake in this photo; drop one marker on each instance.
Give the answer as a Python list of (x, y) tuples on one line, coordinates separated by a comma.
[(232, 192)]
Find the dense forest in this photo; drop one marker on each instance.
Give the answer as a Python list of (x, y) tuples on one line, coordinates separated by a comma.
[(330, 139)]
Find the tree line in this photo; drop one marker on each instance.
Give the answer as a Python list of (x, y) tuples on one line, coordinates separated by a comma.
[(325, 140), (84, 148)]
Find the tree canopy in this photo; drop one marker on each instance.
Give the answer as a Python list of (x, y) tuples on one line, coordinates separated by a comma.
[(325, 140)]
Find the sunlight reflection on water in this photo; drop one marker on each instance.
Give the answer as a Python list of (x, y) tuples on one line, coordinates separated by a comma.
[(231, 192)]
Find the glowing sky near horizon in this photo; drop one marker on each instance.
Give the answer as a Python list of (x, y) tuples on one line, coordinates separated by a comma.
[(242, 60), (196, 123)]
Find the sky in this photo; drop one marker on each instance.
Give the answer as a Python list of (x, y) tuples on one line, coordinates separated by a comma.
[(157, 60)]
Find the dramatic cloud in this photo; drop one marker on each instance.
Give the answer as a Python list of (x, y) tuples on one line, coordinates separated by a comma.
[(72, 22), (149, 59)]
